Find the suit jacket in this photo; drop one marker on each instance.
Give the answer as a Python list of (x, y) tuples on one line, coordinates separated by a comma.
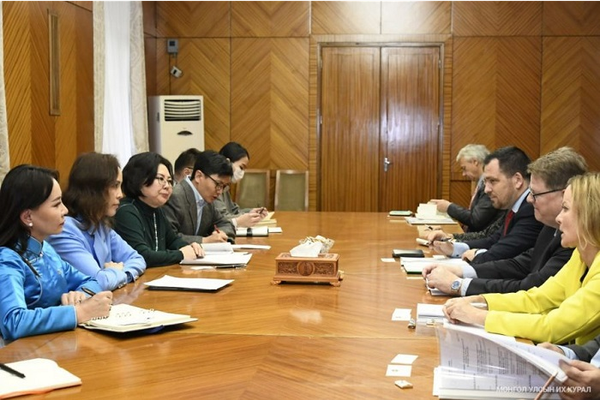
[(481, 213), (526, 270), (181, 212), (522, 232), (489, 230), (588, 350), (227, 206)]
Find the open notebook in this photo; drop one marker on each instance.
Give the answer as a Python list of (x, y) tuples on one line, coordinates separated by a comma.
[(41, 375), (268, 220), (127, 318)]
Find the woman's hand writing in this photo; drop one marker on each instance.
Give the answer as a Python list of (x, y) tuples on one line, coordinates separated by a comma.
[(97, 306)]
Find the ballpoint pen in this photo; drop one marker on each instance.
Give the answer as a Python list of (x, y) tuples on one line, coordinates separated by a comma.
[(217, 229), (88, 291), (11, 371)]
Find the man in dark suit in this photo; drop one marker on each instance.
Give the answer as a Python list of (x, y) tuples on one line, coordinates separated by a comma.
[(549, 176), (480, 213), (507, 185), (190, 209)]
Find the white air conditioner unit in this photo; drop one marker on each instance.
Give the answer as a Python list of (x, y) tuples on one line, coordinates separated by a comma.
[(175, 124)]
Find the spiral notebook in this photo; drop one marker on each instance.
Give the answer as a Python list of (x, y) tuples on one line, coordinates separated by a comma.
[(127, 318)]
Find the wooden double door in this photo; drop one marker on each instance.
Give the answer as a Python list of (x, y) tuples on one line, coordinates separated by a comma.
[(380, 127)]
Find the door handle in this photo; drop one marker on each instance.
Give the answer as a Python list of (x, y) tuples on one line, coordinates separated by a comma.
[(386, 163)]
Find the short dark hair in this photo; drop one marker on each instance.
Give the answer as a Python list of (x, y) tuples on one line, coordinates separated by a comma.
[(86, 196), (234, 151), (141, 171), (210, 162), (25, 187), (511, 160), (186, 158)]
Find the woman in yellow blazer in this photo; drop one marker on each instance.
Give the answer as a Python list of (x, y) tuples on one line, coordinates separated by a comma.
[(567, 306)]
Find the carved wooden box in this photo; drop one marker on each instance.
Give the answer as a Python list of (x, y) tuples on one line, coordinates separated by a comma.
[(323, 268)]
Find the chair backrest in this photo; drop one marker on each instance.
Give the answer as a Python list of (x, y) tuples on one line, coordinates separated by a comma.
[(253, 190), (291, 190)]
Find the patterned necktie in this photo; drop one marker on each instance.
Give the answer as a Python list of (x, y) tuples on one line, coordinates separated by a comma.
[(507, 220)]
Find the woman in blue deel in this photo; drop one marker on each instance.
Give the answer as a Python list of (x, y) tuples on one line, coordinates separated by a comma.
[(40, 293)]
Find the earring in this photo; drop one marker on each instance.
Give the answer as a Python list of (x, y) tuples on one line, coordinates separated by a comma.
[(30, 224)]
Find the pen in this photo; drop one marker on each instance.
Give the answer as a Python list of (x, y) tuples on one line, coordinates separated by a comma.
[(11, 371), (217, 229), (88, 291)]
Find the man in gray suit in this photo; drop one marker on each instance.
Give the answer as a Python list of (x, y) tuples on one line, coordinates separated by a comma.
[(190, 209)]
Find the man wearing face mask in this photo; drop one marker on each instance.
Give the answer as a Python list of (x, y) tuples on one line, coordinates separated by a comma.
[(239, 158)]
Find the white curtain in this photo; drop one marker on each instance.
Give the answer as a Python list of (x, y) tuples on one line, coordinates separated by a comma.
[(121, 126), (4, 155)]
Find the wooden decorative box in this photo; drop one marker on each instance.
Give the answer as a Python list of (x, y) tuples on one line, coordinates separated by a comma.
[(323, 268)]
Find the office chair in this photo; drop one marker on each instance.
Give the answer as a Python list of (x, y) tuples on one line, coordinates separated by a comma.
[(253, 190), (291, 190)]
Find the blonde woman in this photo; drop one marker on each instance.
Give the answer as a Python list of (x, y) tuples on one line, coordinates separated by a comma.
[(565, 307)]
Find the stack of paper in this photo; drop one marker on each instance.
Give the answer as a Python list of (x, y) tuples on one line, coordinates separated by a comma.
[(217, 248), (220, 255), (475, 364), (428, 214), (431, 220), (195, 284), (224, 260), (430, 313), (415, 265)]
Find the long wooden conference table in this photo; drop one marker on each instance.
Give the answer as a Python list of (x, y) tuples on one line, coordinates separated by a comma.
[(255, 340)]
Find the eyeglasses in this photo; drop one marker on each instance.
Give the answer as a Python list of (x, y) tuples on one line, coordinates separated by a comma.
[(218, 185), (534, 196), (164, 182)]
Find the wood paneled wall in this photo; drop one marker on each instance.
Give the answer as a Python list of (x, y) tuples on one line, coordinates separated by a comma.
[(521, 73), (515, 73), (35, 136)]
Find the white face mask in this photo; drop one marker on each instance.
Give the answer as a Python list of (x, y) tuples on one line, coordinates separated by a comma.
[(238, 174)]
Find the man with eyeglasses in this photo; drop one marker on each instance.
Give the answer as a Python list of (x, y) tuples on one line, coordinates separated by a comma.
[(507, 185), (190, 209), (549, 176)]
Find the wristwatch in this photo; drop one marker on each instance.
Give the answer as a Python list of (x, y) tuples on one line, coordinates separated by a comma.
[(455, 287)]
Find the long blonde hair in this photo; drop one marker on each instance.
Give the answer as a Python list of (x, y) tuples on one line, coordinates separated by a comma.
[(586, 204)]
